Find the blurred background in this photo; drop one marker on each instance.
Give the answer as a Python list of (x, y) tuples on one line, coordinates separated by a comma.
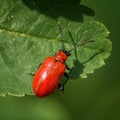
[(95, 98)]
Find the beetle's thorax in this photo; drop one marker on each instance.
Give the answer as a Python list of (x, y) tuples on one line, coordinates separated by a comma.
[(61, 56)]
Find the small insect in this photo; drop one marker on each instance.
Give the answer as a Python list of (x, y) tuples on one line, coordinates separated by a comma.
[(48, 76)]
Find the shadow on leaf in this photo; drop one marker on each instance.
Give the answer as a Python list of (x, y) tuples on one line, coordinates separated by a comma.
[(77, 66), (69, 9)]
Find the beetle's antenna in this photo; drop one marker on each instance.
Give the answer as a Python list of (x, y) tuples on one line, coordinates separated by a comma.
[(82, 44), (62, 37)]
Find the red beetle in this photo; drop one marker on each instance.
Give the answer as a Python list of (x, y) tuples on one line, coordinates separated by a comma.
[(48, 76)]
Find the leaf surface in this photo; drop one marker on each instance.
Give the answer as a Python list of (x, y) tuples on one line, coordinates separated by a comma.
[(29, 32)]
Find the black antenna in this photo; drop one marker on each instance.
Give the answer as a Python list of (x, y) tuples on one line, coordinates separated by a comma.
[(62, 38), (82, 44)]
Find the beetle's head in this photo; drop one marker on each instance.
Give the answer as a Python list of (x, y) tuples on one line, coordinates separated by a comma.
[(62, 56)]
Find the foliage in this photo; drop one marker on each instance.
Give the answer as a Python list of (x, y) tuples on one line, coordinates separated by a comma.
[(29, 32)]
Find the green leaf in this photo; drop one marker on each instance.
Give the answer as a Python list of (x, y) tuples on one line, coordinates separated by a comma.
[(29, 32)]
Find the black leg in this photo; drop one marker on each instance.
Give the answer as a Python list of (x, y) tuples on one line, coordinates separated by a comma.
[(67, 75), (33, 73), (39, 65), (61, 85), (68, 68)]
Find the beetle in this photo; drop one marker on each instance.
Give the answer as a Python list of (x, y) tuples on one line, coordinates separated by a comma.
[(49, 74)]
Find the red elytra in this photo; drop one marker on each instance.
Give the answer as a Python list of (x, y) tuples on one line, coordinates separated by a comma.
[(48, 76)]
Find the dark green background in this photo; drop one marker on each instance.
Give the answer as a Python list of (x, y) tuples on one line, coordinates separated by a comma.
[(95, 98)]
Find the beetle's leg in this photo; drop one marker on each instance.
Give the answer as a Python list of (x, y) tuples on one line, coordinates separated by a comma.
[(68, 68), (61, 85), (33, 73), (39, 65), (67, 75)]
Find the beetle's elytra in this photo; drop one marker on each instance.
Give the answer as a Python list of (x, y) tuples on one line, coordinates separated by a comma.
[(48, 76)]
